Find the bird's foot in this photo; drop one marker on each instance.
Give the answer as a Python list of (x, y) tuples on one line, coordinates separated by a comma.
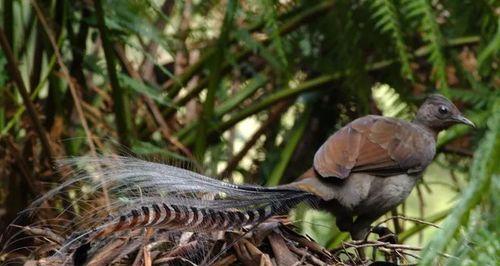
[(385, 234)]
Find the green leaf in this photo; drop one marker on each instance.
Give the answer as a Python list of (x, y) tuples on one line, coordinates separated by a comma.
[(243, 94), (491, 49), (142, 88)]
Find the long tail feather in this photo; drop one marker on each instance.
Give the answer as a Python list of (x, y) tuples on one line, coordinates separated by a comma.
[(147, 194)]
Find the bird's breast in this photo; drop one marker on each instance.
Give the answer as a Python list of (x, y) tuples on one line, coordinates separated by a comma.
[(388, 192)]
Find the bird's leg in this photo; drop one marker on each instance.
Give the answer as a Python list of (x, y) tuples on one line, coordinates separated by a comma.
[(360, 230), (385, 234), (344, 222)]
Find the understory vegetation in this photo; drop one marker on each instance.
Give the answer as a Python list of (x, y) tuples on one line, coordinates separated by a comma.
[(246, 91)]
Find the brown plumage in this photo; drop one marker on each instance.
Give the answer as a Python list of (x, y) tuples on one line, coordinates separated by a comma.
[(371, 165), (375, 145)]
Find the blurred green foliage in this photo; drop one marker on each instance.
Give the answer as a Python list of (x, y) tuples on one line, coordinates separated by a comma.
[(250, 89)]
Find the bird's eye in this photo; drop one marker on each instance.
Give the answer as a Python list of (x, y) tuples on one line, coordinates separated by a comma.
[(443, 110)]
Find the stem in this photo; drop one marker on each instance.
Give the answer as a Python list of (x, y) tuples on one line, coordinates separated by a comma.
[(403, 236), (8, 22), (65, 72), (16, 76), (290, 145), (121, 104), (37, 58), (214, 81)]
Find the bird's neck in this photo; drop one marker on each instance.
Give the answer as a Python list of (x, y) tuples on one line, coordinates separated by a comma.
[(431, 130)]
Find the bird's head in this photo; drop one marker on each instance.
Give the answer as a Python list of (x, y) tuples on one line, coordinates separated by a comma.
[(439, 113)]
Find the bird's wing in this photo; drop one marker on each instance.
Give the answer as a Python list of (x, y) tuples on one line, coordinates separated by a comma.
[(375, 145)]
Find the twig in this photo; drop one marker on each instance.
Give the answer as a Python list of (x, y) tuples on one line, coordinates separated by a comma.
[(48, 234), (305, 255), (418, 227), (347, 253), (408, 219), (410, 254), (421, 207), (65, 73), (374, 243)]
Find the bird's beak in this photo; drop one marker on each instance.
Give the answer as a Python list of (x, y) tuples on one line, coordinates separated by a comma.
[(462, 119)]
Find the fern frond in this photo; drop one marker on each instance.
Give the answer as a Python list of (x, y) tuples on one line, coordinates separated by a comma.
[(390, 102), (491, 49), (431, 34), (271, 18), (388, 21)]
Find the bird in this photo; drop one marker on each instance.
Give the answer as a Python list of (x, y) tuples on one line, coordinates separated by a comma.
[(371, 165), (365, 169)]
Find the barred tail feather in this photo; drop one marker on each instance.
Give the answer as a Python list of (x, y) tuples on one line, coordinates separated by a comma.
[(148, 194), (183, 218)]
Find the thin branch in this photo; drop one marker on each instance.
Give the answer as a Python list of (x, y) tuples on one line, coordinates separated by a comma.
[(421, 209), (408, 219), (419, 227), (373, 243), (65, 73)]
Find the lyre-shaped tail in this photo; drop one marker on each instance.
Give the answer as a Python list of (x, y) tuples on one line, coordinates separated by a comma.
[(146, 194)]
